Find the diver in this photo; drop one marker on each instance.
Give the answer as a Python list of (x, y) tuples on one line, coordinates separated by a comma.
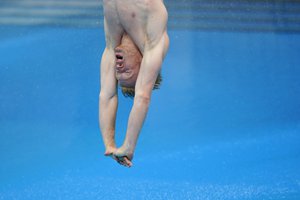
[(136, 44)]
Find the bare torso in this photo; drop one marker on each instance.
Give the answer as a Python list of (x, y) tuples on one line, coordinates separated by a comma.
[(144, 20)]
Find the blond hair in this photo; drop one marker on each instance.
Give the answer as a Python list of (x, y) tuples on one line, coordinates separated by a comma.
[(130, 92)]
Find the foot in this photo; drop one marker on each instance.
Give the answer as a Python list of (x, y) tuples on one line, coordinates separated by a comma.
[(124, 156)]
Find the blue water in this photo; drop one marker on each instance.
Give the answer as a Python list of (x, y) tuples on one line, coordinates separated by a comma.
[(224, 125)]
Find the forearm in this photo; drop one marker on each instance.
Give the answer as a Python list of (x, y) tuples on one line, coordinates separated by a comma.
[(136, 120), (150, 67), (107, 118)]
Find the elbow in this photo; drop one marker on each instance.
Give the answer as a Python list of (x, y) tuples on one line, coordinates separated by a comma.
[(143, 99), (106, 96)]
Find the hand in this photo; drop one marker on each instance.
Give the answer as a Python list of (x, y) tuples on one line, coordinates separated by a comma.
[(124, 157)]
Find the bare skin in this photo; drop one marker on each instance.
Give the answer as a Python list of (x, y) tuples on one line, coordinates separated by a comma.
[(145, 22), (128, 62)]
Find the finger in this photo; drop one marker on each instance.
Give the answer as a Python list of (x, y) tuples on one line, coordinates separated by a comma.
[(127, 161), (119, 160), (114, 157), (122, 163), (123, 160)]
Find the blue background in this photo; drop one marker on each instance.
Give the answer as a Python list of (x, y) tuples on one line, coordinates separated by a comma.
[(224, 125)]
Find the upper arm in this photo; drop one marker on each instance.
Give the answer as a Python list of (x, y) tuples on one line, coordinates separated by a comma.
[(113, 37), (150, 67), (108, 82), (156, 46)]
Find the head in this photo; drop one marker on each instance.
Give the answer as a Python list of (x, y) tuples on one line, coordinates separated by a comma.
[(128, 62)]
